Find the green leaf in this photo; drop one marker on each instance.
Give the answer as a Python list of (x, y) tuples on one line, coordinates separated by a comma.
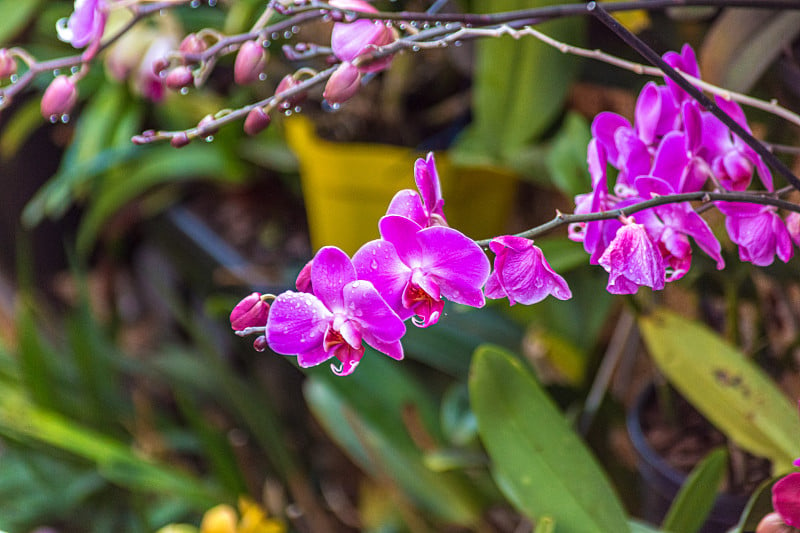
[(728, 389), (538, 461), (162, 165), (693, 503), (364, 414), (89, 155), (566, 160), (545, 525), (519, 87), (21, 420), (760, 505), (15, 16), (640, 527)]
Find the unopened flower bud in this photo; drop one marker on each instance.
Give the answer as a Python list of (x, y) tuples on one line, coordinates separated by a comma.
[(180, 77), (773, 523), (288, 82), (303, 282), (180, 140), (59, 98), (204, 125), (250, 63), (793, 225), (160, 65), (257, 121), (260, 344), (251, 312), (8, 65), (192, 44), (343, 84)]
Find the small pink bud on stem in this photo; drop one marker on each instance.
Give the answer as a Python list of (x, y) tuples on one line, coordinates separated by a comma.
[(179, 77), (343, 84), (250, 63), (192, 44), (8, 65), (59, 98), (287, 83), (250, 312), (257, 120), (180, 140)]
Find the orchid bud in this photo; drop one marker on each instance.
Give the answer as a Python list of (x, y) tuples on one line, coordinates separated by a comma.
[(250, 63), (343, 84), (257, 121), (160, 65), (354, 40), (251, 312), (204, 125), (773, 523), (192, 44), (8, 65), (180, 140), (793, 226), (260, 344), (288, 82), (179, 77), (59, 98), (303, 282)]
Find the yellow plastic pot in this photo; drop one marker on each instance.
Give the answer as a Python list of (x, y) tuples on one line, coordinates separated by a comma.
[(348, 186)]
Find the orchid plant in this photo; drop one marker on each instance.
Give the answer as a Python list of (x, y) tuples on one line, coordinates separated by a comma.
[(652, 178)]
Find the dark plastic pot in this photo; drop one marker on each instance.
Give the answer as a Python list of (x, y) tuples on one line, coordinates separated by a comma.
[(660, 482)]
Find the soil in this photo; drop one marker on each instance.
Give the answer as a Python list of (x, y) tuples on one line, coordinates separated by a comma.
[(684, 445)]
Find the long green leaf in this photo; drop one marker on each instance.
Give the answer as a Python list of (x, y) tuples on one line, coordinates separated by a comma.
[(727, 388), (696, 498), (19, 419), (519, 87), (538, 461), (15, 16)]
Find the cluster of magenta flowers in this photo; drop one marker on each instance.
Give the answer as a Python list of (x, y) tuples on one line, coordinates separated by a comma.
[(417, 263), (674, 146)]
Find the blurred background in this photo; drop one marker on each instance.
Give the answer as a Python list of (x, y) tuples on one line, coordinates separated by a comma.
[(127, 404)]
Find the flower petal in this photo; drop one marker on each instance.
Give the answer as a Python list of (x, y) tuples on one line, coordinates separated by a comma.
[(331, 269), (459, 266), (427, 179), (297, 323), (373, 315), (377, 262), (402, 233), (407, 203)]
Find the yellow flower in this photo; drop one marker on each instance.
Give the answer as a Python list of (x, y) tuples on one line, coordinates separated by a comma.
[(223, 518)]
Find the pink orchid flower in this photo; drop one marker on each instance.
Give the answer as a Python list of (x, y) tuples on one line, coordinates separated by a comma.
[(632, 260), (85, 26), (522, 274), (427, 207), (414, 268), (343, 313)]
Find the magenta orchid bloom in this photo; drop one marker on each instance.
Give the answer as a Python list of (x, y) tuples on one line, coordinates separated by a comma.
[(427, 207), (85, 26), (731, 159), (759, 232), (414, 268), (342, 313), (786, 498), (351, 40), (522, 274), (632, 260)]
